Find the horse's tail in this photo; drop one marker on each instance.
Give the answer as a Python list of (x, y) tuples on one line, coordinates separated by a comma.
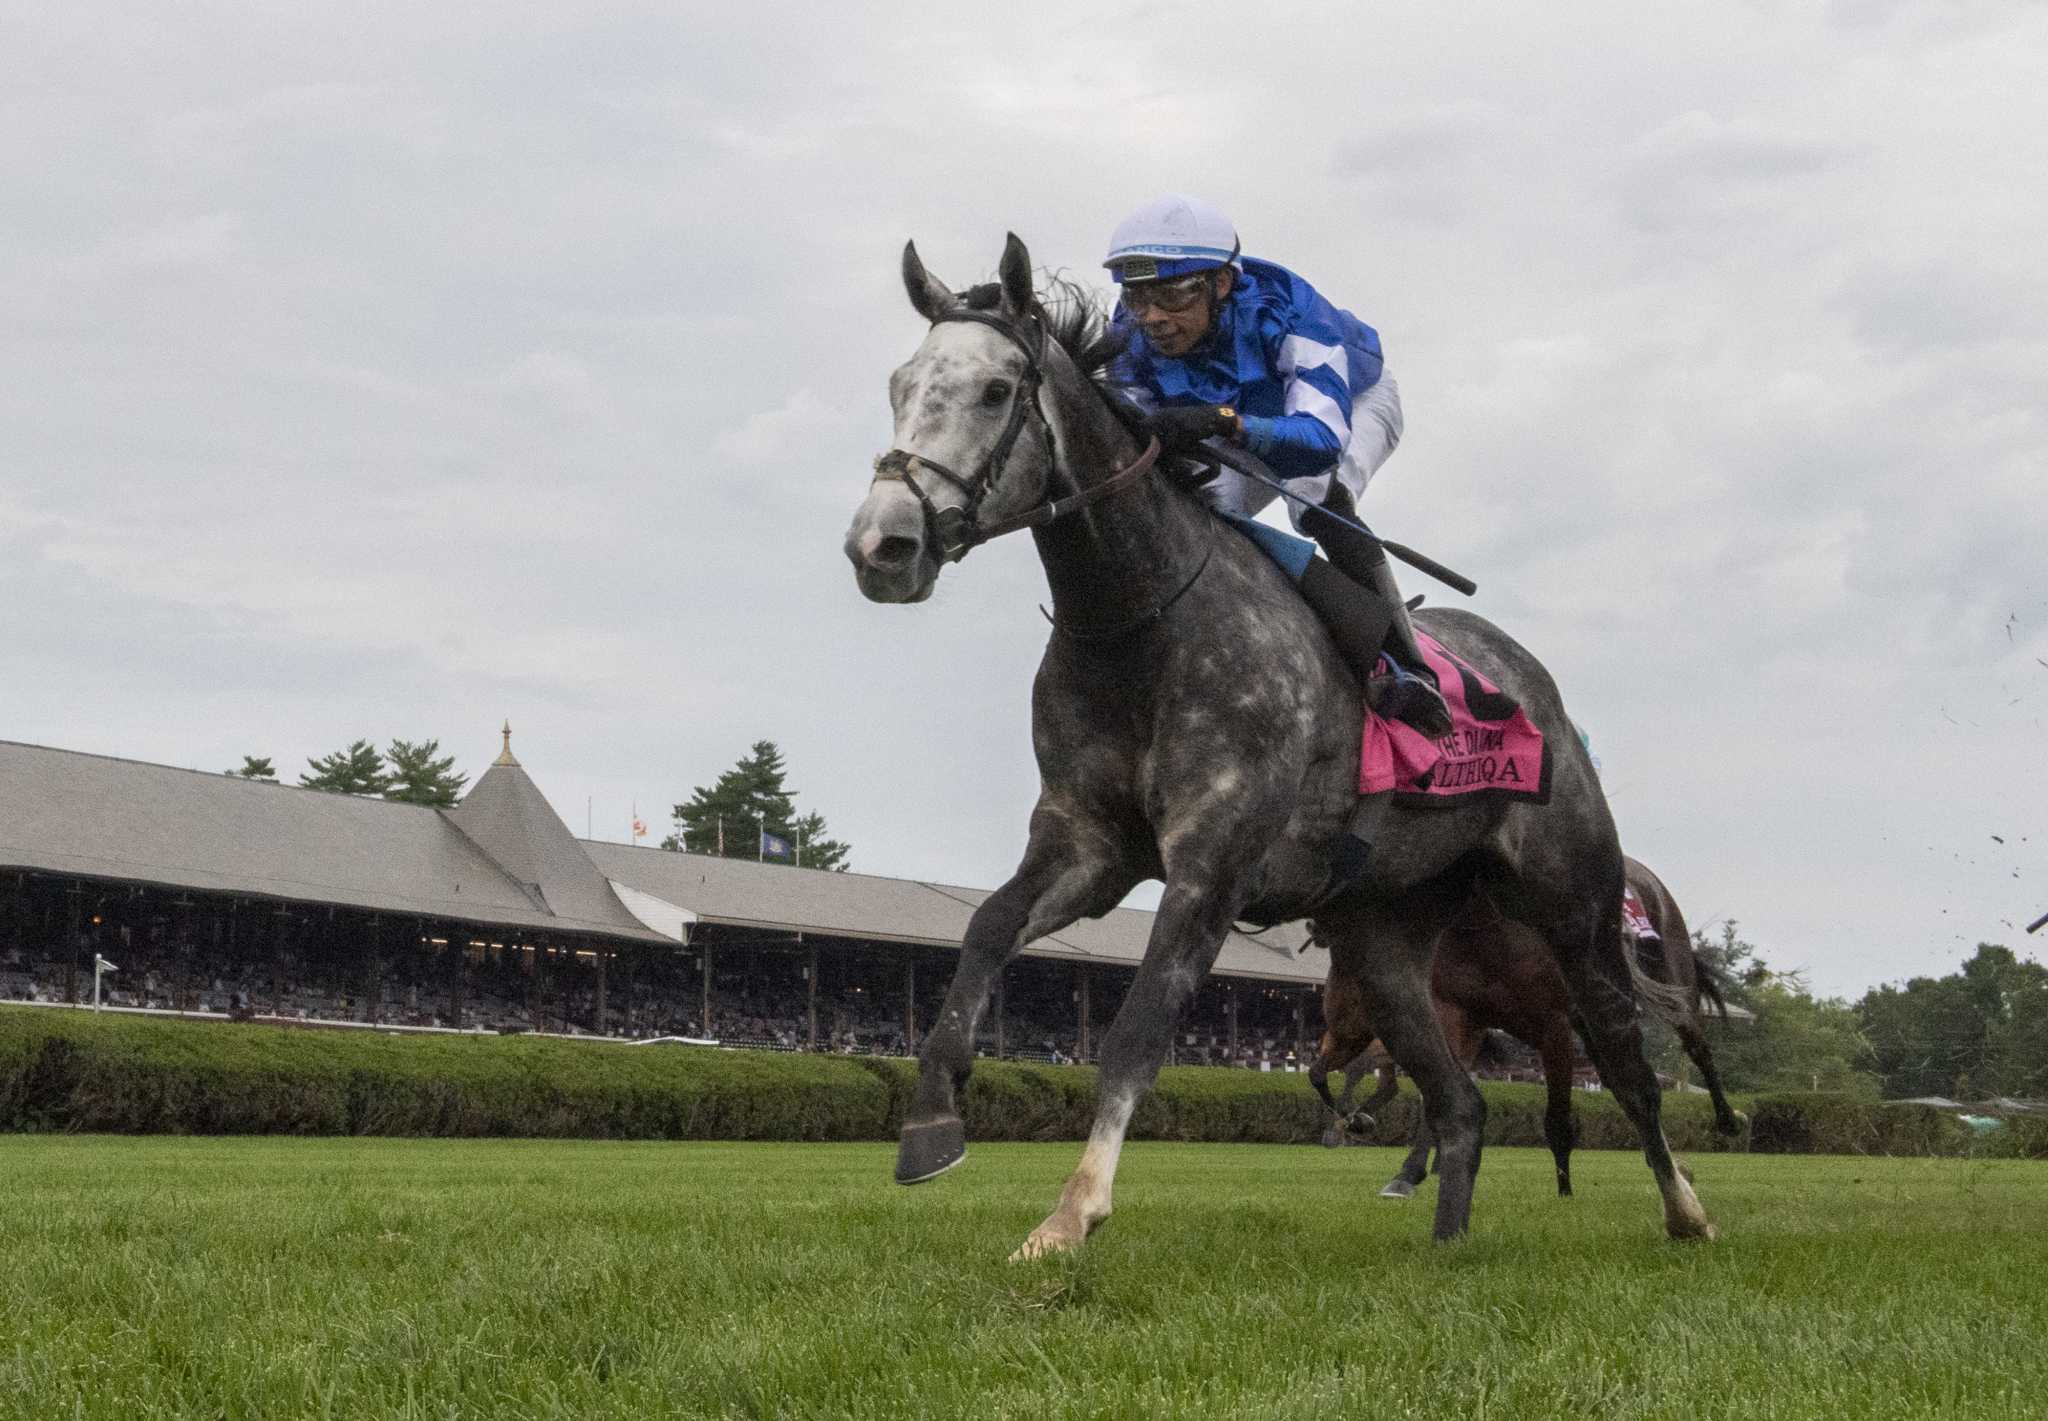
[(1711, 985), (1668, 1003)]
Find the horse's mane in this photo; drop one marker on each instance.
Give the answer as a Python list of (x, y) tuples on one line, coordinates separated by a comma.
[(1075, 318)]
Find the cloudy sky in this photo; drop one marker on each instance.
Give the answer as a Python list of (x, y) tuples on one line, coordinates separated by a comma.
[(398, 369)]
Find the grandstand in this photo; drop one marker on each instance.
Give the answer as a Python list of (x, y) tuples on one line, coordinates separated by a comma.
[(220, 895)]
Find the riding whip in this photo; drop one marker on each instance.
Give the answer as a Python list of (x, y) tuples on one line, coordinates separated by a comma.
[(1249, 464)]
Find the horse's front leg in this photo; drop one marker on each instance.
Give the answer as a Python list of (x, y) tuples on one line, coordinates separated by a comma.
[(1065, 876), (1193, 918)]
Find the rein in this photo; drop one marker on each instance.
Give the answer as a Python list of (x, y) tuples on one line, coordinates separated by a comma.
[(957, 530)]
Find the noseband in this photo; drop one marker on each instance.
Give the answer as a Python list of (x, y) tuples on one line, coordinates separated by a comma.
[(953, 532)]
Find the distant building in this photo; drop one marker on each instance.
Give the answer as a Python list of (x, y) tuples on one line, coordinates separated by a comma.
[(336, 907)]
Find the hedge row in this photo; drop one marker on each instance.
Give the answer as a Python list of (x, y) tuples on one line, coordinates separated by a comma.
[(71, 1071)]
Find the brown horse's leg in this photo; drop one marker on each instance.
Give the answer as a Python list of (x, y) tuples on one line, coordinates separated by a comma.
[(1053, 887), (1388, 1087), (1695, 1043), (1347, 1032), (1415, 1168), (1560, 1129), (1464, 1038)]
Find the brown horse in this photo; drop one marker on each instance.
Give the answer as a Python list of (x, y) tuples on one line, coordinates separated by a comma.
[(1493, 974)]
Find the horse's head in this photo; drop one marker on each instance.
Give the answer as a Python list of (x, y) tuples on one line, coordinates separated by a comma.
[(972, 446)]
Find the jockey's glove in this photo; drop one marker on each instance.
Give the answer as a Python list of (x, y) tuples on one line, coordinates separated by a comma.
[(1185, 426)]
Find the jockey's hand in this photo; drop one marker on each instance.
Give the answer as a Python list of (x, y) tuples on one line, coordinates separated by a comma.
[(1185, 426)]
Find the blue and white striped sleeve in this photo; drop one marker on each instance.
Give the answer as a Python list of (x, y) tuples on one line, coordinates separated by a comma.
[(1308, 436)]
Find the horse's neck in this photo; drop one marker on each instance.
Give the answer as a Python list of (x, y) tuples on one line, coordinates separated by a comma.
[(1120, 558)]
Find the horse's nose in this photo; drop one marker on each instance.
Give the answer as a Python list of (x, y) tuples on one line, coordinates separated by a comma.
[(883, 551), (893, 550)]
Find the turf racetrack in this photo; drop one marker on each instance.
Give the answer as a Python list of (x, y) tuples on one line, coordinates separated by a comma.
[(273, 1278)]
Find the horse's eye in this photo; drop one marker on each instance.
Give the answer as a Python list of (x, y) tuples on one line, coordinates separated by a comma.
[(997, 392)]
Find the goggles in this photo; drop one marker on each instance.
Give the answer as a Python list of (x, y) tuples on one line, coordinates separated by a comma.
[(1174, 296)]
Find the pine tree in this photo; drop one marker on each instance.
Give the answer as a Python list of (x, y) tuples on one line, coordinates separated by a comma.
[(729, 816), (815, 848), (417, 777), (357, 770), (256, 767)]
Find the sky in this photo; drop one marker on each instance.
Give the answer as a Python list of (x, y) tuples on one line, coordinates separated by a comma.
[(393, 370)]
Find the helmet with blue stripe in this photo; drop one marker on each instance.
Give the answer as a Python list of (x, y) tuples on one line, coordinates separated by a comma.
[(1171, 236)]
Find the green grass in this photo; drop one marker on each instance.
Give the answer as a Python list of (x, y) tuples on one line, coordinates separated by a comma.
[(153, 1277)]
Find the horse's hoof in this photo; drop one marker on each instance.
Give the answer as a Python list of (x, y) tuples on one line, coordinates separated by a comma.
[(1043, 1245), (1691, 1230), (1360, 1123), (1399, 1189), (928, 1150)]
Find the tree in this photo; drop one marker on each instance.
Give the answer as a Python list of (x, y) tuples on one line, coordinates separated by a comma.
[(2017, 1048), (1795, 1042), (357, 770), (417, 777), (727, 818), (256, 767), (1978, 1031)]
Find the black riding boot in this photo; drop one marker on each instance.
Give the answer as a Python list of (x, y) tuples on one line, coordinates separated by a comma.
[(1357, 620), (1412, 698)]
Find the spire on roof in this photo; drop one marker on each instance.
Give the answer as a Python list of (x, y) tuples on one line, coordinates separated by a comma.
[(505, 755)]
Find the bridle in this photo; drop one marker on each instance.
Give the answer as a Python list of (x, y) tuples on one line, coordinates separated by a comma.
[(955, 531)]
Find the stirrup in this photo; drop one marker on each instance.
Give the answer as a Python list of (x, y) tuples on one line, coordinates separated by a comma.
[(1409, 698)]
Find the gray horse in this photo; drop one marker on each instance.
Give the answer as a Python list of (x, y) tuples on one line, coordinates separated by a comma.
[(1194, 724)]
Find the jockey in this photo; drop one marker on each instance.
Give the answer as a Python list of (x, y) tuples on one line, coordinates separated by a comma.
[(1220, 345)]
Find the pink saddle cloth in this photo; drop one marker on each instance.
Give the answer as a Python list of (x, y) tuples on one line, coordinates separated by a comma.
[(1492, 748)]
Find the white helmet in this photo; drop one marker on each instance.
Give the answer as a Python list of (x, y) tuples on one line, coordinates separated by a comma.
[(1171, 236)]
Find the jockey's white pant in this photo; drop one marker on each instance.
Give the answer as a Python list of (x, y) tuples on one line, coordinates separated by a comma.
[(1375, 430)]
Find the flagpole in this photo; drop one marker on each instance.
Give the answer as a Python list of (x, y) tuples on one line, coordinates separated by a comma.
[(799, 844), (761, 842)]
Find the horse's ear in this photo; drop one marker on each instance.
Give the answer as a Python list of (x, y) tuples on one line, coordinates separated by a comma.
[(927, 292), (1015, 272)]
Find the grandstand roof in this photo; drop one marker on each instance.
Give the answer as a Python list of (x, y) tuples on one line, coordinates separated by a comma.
[(507, 816), (93, 816), (741, 893), (501, 857)]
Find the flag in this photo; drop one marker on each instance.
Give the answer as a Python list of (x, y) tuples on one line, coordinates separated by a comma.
[(639, 828), (102, 964), (775, 846)]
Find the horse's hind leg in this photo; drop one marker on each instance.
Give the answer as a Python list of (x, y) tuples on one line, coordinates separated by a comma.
[(1589, 954), (1383, 1094), (1464, 1037), (1559, 1128), (1391, 948), (1056, 884), (1695, 1043), (1415, 1167)]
